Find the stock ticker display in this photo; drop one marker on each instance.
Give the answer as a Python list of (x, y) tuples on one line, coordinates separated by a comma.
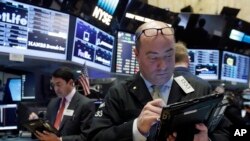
[(204, 63), (93, 46), (235, 67), (125, 58), (34, 31)]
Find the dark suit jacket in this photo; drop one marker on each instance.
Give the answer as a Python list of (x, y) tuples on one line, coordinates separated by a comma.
[(123, 103), (72, 127), (200, 86)]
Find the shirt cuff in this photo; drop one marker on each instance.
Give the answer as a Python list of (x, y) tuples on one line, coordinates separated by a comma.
[(137, 136)]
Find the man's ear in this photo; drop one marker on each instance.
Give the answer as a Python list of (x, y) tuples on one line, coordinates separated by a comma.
[(136, 52), (71, 82)]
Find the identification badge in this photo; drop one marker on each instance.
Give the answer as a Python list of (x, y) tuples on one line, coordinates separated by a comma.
[(183, 83), (69, 112)]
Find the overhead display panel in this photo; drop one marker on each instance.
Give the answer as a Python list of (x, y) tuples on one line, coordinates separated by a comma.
[(138, 12), (104, 14), (125, 58), (204, 63), (235, 67), (33, 31), (93, 46)]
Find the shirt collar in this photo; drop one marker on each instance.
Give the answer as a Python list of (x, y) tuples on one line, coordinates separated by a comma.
[(167, 84), (70, 95)]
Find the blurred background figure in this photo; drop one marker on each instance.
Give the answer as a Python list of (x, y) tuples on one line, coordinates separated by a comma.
[(238, 112)]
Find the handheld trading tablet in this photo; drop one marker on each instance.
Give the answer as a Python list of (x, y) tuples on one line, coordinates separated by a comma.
[(182, 116), (40, 125)]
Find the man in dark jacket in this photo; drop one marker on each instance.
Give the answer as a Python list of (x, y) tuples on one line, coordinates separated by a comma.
[(70, 112), (131, 108), (182, 62)]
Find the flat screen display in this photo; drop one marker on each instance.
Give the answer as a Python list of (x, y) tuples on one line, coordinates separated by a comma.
[(235, 67), (8, 118), (204, 63), (13, 91), (33, 31), (15, 87), (125, 58), (93, 46)]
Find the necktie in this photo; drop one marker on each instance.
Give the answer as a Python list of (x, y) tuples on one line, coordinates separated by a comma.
[(156, 92), (59, 114)]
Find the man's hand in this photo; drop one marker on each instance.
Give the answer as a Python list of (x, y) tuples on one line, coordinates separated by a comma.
[(203, 134), (150, 113), (84, 81), (247, 109), (46, 136), (172, 137), (33, 116)]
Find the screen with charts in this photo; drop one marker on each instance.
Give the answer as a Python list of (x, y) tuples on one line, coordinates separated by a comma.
[(235, 67), (33, 31), (93, 46), (204, 63), (8, 118), (125, 58)]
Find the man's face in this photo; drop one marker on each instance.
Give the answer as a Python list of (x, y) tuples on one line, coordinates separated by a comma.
[(156, 57), (61, 87)]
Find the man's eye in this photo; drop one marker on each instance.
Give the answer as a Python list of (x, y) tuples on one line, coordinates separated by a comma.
[(152, 58), (168, 56)]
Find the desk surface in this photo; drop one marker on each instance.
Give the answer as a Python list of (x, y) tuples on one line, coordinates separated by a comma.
[(17, 139)]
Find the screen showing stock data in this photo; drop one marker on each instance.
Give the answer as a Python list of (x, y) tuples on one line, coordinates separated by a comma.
[(93, 46), (125, 58), (235, 67), (33, 31), (204, 63)]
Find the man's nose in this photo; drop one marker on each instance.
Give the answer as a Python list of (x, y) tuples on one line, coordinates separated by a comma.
[(162, 64)]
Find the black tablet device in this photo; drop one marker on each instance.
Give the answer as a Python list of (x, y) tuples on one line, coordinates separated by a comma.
[(40, 125), (181, 117)]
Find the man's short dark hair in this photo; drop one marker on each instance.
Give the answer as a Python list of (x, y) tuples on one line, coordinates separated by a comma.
[(65, 73)]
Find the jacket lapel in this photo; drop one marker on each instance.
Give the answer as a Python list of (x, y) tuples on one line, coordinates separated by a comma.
[(139, 90), (176, 93), (55, 108)]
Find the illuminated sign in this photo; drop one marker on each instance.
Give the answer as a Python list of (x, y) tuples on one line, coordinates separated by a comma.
[(140, 18), (104, 10), (13, 18), (236, 35)]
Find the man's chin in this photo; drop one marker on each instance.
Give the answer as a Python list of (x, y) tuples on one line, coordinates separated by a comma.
[(159, 81)]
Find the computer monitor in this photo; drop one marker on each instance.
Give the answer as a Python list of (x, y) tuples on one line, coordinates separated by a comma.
[(12, 91), (14, 85), (235, 67), (125, 58), (93, 46), (8, 118), (236, 35), (204, 63), (33, 31)]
